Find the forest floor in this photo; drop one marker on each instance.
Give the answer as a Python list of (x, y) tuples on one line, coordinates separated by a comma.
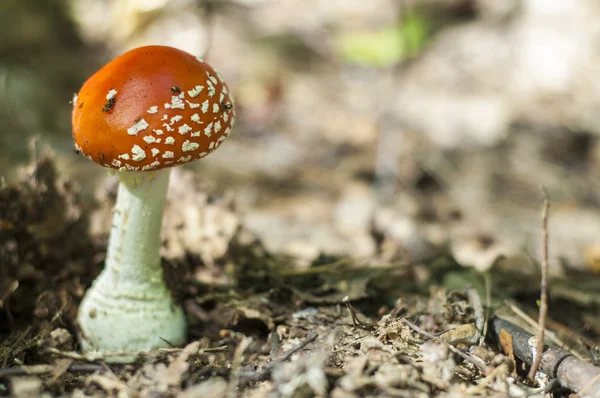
[(259, 324)]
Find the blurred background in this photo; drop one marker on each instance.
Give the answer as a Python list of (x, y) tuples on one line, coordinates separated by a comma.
[(384, 130)]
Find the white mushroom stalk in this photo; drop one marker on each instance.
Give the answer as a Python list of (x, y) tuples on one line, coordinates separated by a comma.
[(129, 308)]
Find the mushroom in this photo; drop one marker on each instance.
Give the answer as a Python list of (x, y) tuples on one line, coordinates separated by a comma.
[(146, 111)]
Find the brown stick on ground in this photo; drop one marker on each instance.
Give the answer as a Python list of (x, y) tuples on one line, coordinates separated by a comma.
[(478, 362), (265, 372), (571, 372), (543, 288)]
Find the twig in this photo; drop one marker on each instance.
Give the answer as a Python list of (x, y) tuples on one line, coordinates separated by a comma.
[(543, 287), (531, 322), (329, 267), (500, 372), (5, 302), (546, 389), (210, 13), (262, 374), (488, 303), (12, 287), (570, 371), (43, 369), (588, 387), (96, 356), (200, 351), (480, 316), (237, 364), (275, 341), (351, 343), (474, 360), (89, 357), (355, 321)]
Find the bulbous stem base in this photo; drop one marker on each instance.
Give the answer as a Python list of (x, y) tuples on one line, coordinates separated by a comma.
[(129, 309)]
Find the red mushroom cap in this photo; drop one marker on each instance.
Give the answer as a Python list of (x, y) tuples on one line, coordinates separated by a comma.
[(151, 108)]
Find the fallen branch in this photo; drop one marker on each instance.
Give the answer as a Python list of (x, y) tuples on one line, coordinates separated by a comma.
[(571, 372)]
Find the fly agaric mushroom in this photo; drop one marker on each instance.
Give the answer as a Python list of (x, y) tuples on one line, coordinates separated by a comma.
[(146, 111)]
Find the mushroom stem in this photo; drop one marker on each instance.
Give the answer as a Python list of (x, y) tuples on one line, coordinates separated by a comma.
[(129, 309)]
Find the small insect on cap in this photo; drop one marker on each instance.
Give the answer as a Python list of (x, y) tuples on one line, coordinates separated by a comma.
[(151, 108)]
